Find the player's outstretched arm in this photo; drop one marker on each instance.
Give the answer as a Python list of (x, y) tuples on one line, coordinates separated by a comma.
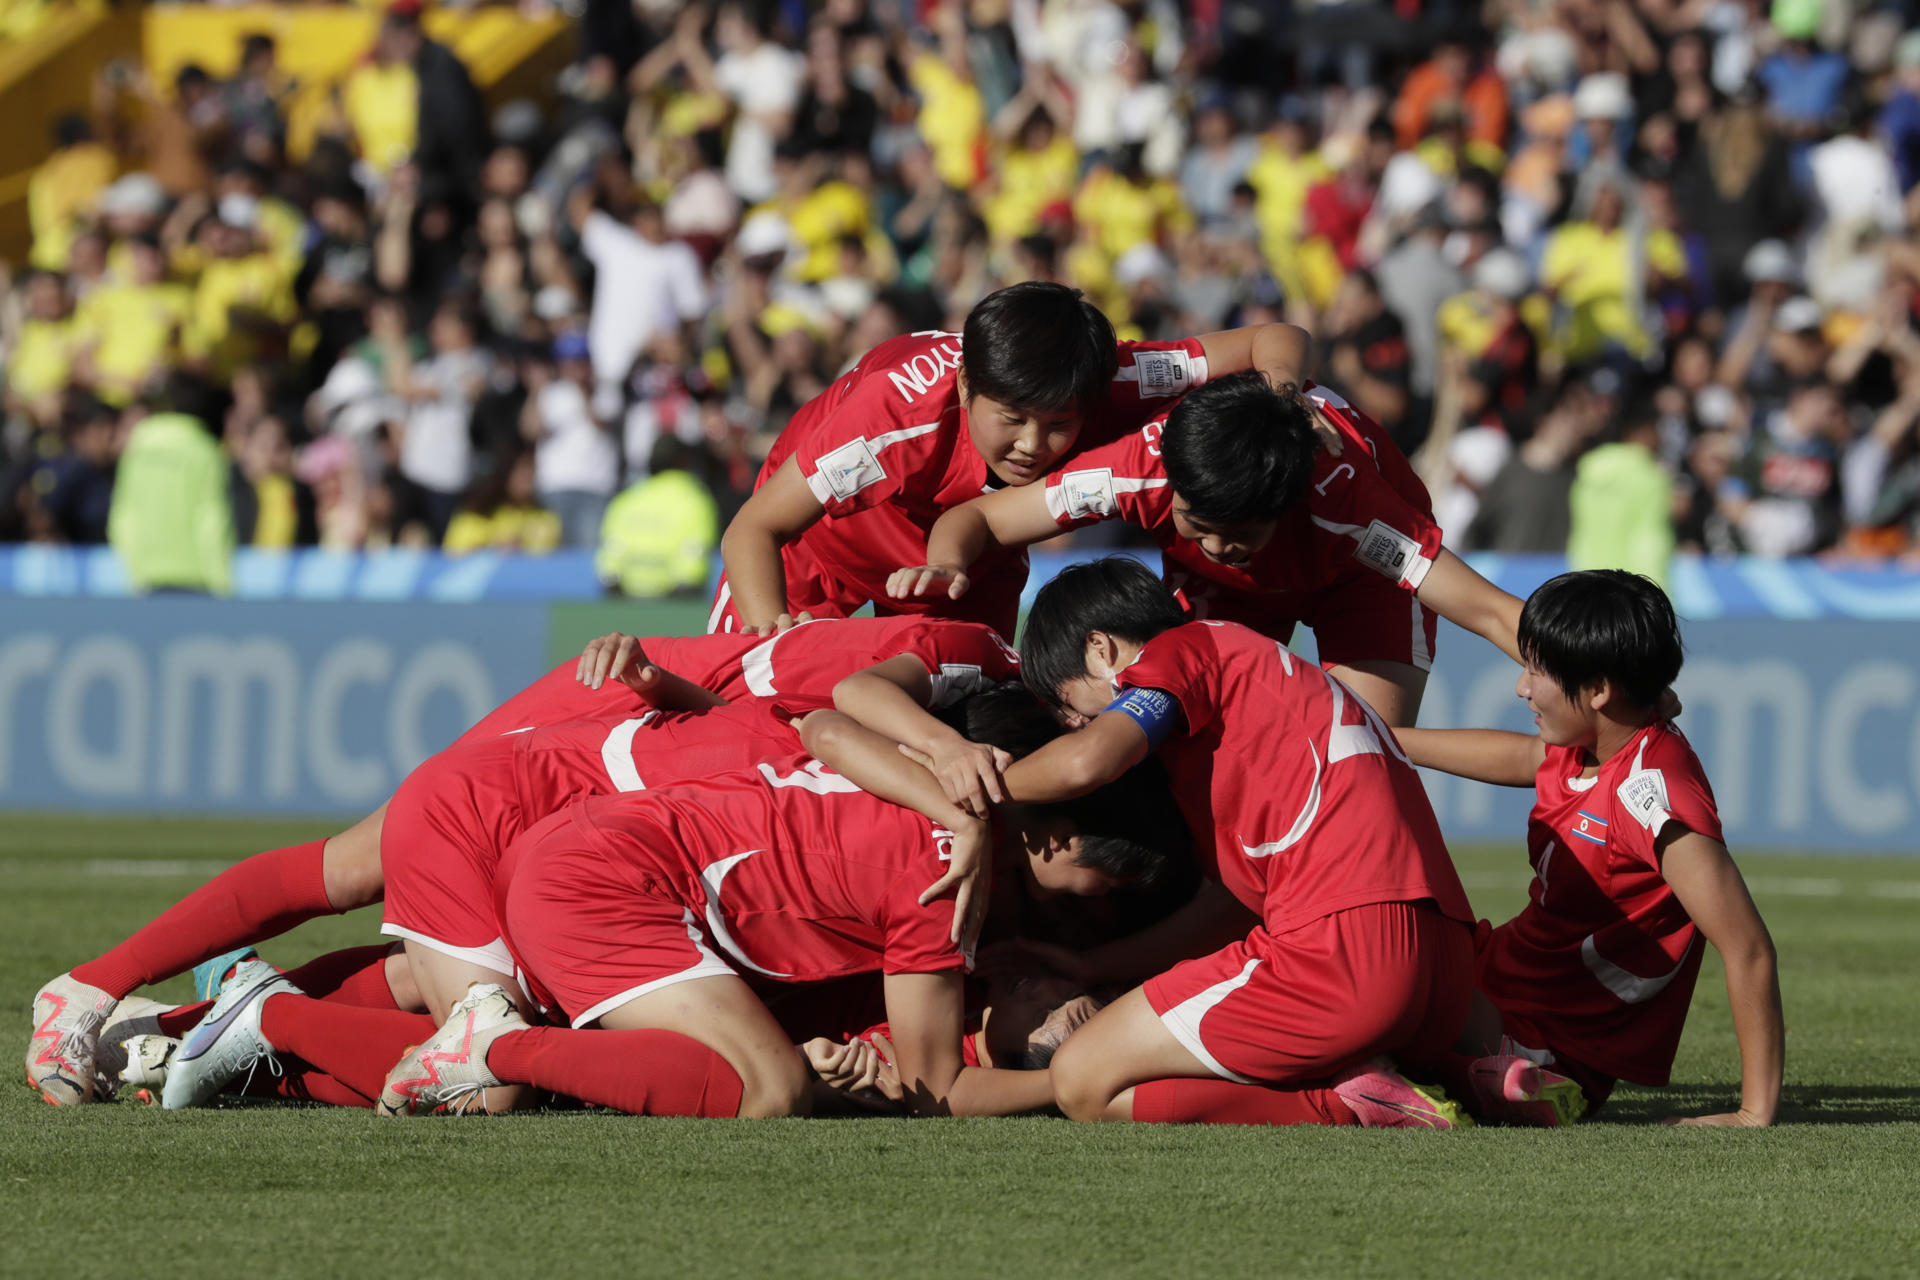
[(1075, 763), (1277, 350), (927, 1015), (891, 698), (1454, 591), (1710, 887), (620, 657), (1008, 518), (779, 511), (875, 764), (1485, 755)]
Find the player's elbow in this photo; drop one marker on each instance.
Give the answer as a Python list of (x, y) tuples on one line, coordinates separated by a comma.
[(1080, 1087)]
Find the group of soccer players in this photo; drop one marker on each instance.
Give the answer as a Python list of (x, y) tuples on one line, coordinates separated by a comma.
[(744, 874)]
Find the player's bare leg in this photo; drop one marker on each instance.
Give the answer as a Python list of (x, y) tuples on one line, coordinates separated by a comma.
[(1392, 689), (1124, 1045), (725, 1015), (350, 865)]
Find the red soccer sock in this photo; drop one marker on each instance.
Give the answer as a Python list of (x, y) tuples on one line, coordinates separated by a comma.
[(643, 1073), (357, 1047), (299, 1082), (355, 976), (265, 895), (177, 1022), (1183, 1101)]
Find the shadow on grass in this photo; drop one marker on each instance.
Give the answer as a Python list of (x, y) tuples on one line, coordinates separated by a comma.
[(1800, 1104)]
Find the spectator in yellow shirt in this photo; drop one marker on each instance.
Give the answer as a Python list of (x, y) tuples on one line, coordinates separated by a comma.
[(1285, 169), (953, 115), (272, 509), (131, 327), (42, 361), (65, 186), (1600, 271), (1038, 167), (381, 101), (1126, 207), (244, 300), (501, 514)]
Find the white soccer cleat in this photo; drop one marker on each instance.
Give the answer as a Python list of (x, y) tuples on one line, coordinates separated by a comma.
[(148, 1059), (448, 1073), (135, 1017), (227, 1041), (67, 1017)]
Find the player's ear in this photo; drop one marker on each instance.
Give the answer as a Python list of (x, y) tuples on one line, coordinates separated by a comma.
[(1600, 694), (1102, 653), (960, 385)]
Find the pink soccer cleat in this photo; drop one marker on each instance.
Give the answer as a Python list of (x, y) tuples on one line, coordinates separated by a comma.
[(1382, 1098), (1514, 1090)]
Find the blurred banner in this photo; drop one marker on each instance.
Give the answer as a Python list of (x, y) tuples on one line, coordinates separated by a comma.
[(1810, 729)]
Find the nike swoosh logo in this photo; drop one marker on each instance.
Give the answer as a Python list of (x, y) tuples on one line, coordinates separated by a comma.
[(207, 1032)]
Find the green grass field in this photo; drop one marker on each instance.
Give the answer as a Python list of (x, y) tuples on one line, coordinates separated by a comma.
[(280, 1190)]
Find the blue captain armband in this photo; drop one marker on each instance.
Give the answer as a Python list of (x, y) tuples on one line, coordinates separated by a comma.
[(1156, 711)]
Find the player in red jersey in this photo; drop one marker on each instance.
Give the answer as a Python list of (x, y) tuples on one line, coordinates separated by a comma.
[(1310, 817), (272, 892), (1259, 526), (638, 914), (1596, 974), (926, 422)]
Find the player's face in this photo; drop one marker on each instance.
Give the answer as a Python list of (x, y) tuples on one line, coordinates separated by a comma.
[(1562, 721), (1233, 545), (1020, 445), (1036, 1010), (1085, 697)]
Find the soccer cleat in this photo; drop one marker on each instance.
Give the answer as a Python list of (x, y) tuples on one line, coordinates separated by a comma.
[(448, 1073), (1382, 1098), (1513, 1090), (135, 1017), (67, 1017), (210, 975), (148, 1059), (228, 1039)]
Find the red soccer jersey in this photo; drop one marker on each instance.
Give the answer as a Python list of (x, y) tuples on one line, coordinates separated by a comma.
[(1299, 798), (887, 452), (800, 665), (1603, 958), (795, 874), (1366, 514)]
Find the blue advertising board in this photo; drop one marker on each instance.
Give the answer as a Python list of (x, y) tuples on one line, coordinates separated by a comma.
[(204, 706)]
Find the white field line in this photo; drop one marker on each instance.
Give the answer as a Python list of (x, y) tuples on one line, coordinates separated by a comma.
[(1762, 886)]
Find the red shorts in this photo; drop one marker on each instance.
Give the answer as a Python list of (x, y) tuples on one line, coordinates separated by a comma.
[(1521, 1037), (554, 697), (994, 597), (440, 847), (1363, 619), (1389, 977), (586, 936)]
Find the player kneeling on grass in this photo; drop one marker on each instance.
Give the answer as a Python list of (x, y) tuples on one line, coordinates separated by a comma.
[(1258, 524), (1306, 812), (272, 892), (1630, 871), (639, 914)]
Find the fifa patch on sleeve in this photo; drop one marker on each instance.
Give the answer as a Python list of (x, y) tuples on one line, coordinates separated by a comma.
[(1089, 494), (850, 468), (1163, 373), (1156, 711), (1645, 796), (1385, 549)]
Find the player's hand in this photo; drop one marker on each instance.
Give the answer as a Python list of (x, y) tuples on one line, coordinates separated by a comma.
[(1741, 1119), (785, 622), (970, 878), (1022, 958), (969, 772), (826, 1058), (613, 657), (903, 584), (887, 1083)]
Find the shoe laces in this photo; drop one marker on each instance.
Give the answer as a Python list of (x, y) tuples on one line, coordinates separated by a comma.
[(458, 1099), (273, 1068)]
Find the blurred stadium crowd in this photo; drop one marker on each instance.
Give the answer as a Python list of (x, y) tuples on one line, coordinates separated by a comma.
[(1656, 256)]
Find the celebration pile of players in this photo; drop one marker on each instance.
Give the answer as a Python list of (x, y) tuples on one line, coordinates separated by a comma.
[(744, 874)]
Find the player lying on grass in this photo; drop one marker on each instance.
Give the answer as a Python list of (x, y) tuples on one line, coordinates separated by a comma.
[(1257, 524), (617, 910), (926, 422), (1303, 809), (1595, 976), (272, 892)]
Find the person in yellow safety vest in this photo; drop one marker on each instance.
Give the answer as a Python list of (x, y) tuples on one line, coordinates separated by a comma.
[(658, 536)]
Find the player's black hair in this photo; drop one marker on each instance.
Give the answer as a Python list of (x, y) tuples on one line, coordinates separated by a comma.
[(1116, 595), (1038, 346), (1237, 451), (1004, 716), (1609, 624), (1131, 829)]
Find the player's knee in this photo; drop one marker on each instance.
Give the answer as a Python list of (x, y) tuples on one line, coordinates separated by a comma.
[(781, 1087), (1079, 1086)]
